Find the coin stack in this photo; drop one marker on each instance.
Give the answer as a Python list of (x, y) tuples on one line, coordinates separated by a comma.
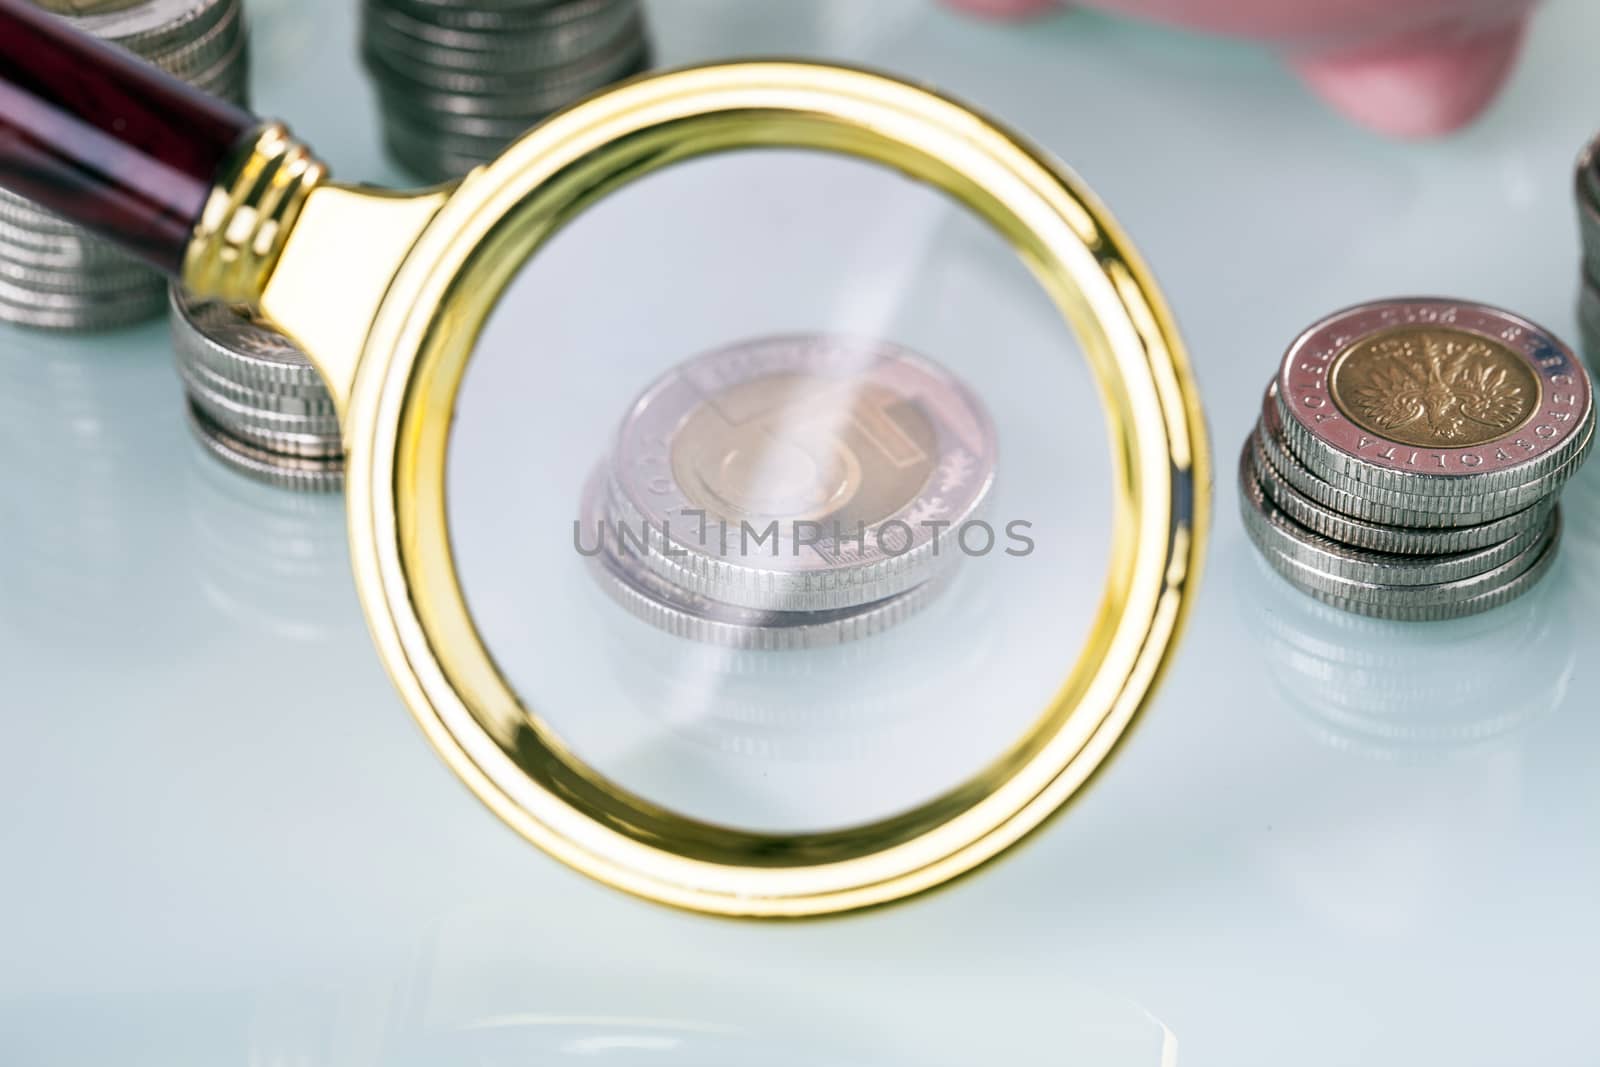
[(788, 492), (1409, 454), (1588, 197), (54, 275), (458, 80), (254, 401)]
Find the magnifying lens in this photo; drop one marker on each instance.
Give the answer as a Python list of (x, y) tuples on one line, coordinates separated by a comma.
[(811, 306)]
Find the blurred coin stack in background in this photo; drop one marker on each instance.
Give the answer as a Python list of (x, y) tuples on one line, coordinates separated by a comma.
[(254, 401), (1588, 196), (1409, 455), (789, 492), (56, 276), (458, 80)]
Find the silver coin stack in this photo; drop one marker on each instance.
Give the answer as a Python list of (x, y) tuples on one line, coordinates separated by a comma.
[(458, 80), (254, 401), (54, 275), (1409, 456), (1587, 188), (788, 492)]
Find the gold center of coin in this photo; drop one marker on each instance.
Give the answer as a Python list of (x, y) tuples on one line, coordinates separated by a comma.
[(1434, 387), (798, 448)]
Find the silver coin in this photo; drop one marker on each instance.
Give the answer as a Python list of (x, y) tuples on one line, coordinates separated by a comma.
[(55, 275), (301, 473), (238, 347), (501, 15), (90, 284), (427, 163), (1434, 399), (77, 249), (1429, 514), (1588, 173), (1377, 537), (1489, 598), (192, 58), (278, 442), (670, 607), (21, 212), (583, 75), (1273, 528), (1589, 322), (1588, 226), (525, 104), (464, 132), (802, 472), (143, 26), (1589, 306), (64, 311), (1444, 599), (228, 76), (537, 47), (276, 401), (257, 413)]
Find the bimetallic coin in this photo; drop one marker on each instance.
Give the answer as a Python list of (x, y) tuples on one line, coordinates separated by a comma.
[(670, 607), (1344, 501), (802, 472), (1377, 537), (1434, 399), (1441, 600), (1273, 528), (1488, 597)]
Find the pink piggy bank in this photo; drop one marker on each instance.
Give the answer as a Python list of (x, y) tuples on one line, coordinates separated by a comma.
[(1411, 68)]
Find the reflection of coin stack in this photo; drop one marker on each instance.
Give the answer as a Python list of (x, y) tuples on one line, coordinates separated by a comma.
[(459, 79), (272, 561), (55, 275), (255, 402), (1441, 691), (788, 492), (1408, 458)]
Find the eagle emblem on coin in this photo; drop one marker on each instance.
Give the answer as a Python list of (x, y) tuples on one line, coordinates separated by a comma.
[(1434, 387)]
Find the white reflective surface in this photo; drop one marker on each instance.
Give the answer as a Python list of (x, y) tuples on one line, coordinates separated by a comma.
[(1329, 842)]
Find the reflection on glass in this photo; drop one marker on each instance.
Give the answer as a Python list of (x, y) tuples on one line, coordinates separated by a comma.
[(1412, 691), (271, 558), (80, 472)]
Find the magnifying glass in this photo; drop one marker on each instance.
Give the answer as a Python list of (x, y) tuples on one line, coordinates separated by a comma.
[(771, 294)]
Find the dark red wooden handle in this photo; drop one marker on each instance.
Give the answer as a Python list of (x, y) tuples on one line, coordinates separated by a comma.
[(106, 140)]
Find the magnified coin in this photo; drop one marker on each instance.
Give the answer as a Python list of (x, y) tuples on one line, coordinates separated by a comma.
[(803, 472), (624, 575), (1435, 400)]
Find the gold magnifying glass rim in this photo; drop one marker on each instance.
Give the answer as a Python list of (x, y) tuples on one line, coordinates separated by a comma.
[(397, 431)]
